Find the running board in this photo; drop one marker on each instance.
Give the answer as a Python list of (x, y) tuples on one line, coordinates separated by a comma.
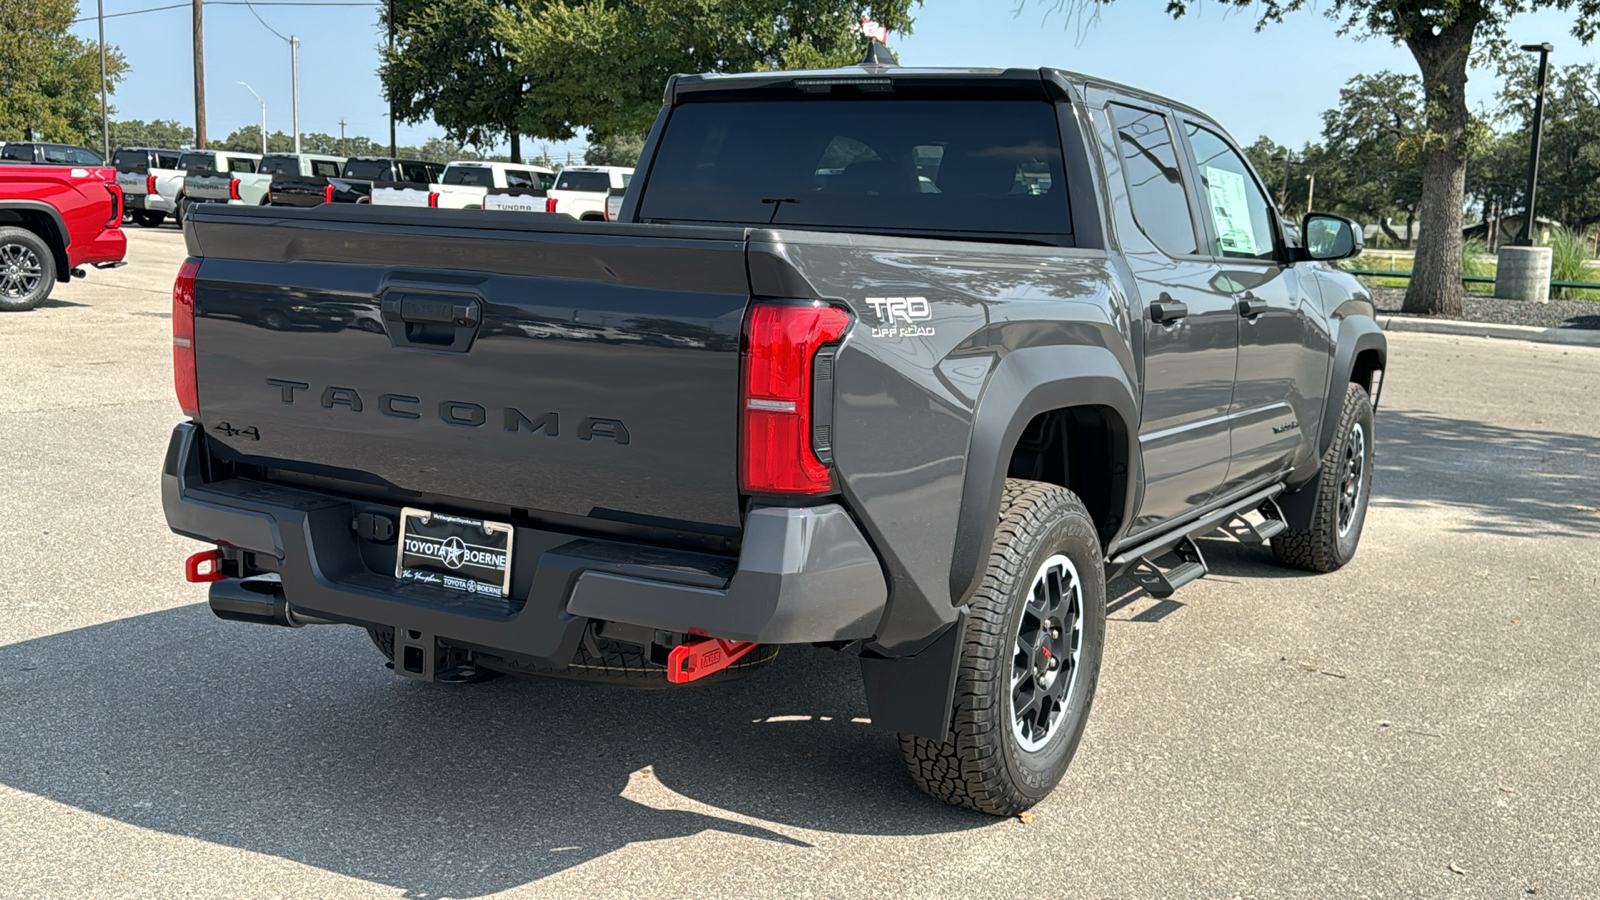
[(1162, 584), (1256, 534), (1209, 522)]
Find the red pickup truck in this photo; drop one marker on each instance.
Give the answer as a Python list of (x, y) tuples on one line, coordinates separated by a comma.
[(54, 220)]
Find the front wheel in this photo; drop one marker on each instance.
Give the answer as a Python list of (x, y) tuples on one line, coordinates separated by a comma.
[(1342, 490), (1030, 659)]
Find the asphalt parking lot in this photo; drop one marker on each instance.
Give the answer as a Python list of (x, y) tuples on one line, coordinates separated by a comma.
[(1425, 722)]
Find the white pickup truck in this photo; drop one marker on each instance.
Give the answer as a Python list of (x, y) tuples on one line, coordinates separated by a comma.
[(581, 191), (242, 187), (475, 184), (171, 185), (136, 168)]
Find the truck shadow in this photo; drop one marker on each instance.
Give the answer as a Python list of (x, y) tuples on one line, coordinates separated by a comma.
[(300, 745)]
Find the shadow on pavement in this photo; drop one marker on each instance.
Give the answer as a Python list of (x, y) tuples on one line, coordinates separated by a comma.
[(300, 745), (1508, 481)]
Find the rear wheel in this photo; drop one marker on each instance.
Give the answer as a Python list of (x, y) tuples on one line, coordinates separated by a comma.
[(27, 270), (147, 219), (1342, 490), (1030, 659)]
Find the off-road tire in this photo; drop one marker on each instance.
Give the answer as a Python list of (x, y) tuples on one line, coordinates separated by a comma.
[(1322, 548), (981, 763), (618, 663), (22, 245)]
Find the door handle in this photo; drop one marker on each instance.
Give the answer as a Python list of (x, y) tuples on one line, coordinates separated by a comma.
[(1251, 306), (431, 321), (1166, 310)]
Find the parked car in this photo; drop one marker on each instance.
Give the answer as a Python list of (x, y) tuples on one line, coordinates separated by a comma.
[(356, 182), (473, 184), (42, 154), (581, 191), (134, 167), (792, 405), (211, 176), (254, 188), (54, 220)]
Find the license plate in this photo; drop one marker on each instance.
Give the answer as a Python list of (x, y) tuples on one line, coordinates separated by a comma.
[(453, 552)]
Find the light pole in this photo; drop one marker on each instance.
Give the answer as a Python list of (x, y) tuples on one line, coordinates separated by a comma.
[(1526, 239), (294, 60), (263, 116), (1311, 190), (105, 121)]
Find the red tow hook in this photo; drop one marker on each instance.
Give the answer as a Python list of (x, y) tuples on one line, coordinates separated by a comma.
[(699, 658), (203, 567)]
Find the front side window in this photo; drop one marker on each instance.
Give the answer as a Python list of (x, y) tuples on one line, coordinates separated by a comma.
[(1155, 180), (86, 157), (167, 160), (1240, 213), (416, 173), (975, 166)]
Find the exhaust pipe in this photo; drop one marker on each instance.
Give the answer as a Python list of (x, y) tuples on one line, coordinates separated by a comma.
[(257, 600)]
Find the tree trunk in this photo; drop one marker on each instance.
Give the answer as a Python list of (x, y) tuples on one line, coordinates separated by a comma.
[(1435, 288), (1411, 227), (516, 145), (1388, 229)]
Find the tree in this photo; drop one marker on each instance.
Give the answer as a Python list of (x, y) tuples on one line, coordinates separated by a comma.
[(248, 140), (1569, 158), (621, 150), (164, 133), (450, 64), (50, 79), (1441, 35), (600, 65), (1372, 142)]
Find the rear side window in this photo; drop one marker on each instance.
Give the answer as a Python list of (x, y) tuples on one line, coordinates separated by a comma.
[(60, 155), (324, 168), (480, 176), (987, 166), (166, 160), (241, 164), (22, 152), (519, 178), (594, 182), (1155, 181), (416, 173)]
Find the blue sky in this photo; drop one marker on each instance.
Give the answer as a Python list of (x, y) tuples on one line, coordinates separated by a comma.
[(1276, 82)]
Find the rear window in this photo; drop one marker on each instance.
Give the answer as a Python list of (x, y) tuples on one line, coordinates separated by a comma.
[(166, 160), (279, 165), (989, 166), (23, 152), (195, 161), (597, 182), (367, 170), (128, 160), (481, 176)]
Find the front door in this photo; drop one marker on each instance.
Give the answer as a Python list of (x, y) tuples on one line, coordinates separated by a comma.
[(1186, 312), (1283, 337)]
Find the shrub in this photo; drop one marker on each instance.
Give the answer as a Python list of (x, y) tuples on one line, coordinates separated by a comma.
[(1569, 258)]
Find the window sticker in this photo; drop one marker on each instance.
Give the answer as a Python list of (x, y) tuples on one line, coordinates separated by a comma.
[(1230, 211)]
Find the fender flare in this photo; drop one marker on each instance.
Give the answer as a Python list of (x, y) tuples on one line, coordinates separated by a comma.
[(1356, 334), (62, 239), (1028, 382)]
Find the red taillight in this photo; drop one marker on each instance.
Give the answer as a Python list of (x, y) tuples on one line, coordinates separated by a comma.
[(233, 189), (116, 206), (433, 200), (327, 194), (776, 454), (183, 366), (150, 184), (549, 204)]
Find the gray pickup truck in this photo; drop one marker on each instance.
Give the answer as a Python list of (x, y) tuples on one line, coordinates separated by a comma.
[(901, 362)]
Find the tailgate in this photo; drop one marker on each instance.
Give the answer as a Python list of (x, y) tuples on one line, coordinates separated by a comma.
[(443, 357), (132, 182), (210, 186)]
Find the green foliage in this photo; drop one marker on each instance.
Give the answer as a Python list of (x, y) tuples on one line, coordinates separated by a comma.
[(1569, 257), (248, 140), (1476, 260), (166, 134), (600, 65), (49, 78), (621, 150), (450, 65)]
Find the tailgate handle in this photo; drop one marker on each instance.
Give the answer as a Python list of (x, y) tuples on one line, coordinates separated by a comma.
[(431, 321)]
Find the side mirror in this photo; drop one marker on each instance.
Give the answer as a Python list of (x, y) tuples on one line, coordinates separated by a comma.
[(1329, 237)]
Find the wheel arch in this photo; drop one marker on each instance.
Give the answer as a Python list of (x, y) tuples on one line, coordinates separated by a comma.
[(1360, 355), (44, 220), (1029, 390)]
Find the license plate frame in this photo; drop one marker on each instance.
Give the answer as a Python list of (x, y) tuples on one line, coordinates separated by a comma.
[(434, 549)]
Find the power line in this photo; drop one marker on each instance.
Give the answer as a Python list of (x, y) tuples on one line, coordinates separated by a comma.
[(252, 5), (264, 22)]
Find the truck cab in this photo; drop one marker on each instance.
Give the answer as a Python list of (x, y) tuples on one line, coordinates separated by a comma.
[(581, 191)]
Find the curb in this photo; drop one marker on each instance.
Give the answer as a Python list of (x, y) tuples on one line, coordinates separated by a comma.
[(1584, 337)]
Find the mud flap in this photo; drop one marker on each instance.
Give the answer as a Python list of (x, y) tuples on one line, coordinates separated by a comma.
[(913, 695)]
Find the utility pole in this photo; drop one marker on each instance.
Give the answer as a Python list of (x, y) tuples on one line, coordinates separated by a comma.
[(199, 79), (341, 138), (1311, 190), (1526, 238), (391, 92), (294, 76), (1283, 194), (105, 121)]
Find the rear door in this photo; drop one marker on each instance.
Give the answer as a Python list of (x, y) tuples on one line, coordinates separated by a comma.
[(1283, 337), (488, 364), (1190, 327)]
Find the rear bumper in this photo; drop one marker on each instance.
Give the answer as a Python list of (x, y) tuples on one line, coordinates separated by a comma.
[(147, 202), (803, 576), (109, 246)]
